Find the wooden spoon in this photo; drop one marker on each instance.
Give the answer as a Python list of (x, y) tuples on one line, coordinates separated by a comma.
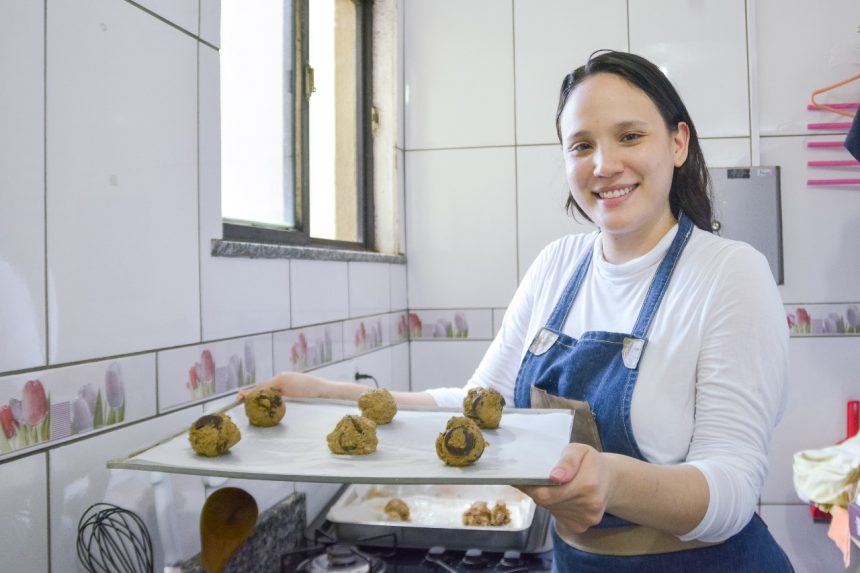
[(228, 518)]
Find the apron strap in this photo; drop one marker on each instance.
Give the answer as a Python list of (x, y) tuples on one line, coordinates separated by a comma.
[(565, 302), (661, 278)]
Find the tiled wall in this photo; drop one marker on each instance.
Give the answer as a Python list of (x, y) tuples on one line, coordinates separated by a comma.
[(117, 326), (485, 187)]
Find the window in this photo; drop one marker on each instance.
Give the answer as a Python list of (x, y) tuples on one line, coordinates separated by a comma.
[(296, 147)]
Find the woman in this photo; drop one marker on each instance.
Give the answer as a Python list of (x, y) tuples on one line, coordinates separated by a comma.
[(673, 337)]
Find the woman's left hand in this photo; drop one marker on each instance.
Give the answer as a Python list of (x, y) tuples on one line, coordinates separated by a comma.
[(584, 481)]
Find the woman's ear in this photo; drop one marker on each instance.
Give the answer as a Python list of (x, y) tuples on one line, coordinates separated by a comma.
[(681, 143)]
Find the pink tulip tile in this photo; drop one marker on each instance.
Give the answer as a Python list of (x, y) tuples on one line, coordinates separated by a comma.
[(447, 324), (398, 327), (309, 347), (55, 404), (841, 319), (194, 373), (365, 334)]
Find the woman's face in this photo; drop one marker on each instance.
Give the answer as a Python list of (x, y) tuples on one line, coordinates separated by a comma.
[(619, 159)]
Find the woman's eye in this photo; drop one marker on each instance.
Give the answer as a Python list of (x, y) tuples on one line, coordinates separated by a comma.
[(630, 137), (579, 147)]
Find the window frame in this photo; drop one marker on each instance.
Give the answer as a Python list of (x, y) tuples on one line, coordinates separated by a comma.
[(298, 81)]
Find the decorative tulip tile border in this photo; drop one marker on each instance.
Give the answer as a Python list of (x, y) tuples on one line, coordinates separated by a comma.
[(61, 403), (450, 324), (194, 373), (835, 319)]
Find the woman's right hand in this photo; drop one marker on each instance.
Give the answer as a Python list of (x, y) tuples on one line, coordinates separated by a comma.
[(292, 385)]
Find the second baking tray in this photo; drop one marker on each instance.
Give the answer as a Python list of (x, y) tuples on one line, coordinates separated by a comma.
[(436, 513)]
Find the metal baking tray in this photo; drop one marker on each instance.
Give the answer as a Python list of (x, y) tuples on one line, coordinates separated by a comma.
[(522, 451), (436, 512)]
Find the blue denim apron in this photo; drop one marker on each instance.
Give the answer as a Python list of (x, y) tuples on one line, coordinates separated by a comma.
[(601, 368)]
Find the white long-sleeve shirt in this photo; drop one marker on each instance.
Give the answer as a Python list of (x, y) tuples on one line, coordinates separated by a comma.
[(712, 379)]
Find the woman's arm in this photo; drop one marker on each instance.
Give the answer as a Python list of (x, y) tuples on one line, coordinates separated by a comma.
[(591, 483), (299, 385)]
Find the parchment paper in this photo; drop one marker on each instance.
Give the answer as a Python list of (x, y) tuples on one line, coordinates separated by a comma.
[(522, 450)]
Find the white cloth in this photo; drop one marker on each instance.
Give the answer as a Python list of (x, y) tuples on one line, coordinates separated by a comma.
[(828, 476), (712, 381)]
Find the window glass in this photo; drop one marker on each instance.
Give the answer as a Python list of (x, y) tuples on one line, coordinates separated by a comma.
[(256, 113)]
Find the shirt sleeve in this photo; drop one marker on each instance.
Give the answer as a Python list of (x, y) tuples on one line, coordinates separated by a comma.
[(499, 367), (740, 391)]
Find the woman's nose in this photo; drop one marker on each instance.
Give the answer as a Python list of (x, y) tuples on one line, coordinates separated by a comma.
[(606, 162)]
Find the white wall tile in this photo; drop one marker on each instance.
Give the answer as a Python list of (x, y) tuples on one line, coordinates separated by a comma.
[(726, 152), (435, 364), (79, 478), (121, 181), (789, 69), (822, 378), (498, 317), (553, 39), (819, 225), (238, 295), (183, 13), (541, 195), (196, 373), (369, 288), (398, 288), (24, 542), (701, 46), (461, 210), (22, 194), (460, 91), (376, 364), (210, 21), (400, 367), (804, 541), (319, 291)]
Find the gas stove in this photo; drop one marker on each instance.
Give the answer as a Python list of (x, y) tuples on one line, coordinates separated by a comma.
[(341, 558), (324, 552)]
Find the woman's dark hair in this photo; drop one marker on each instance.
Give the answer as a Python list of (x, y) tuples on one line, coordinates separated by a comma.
[(690, 191)]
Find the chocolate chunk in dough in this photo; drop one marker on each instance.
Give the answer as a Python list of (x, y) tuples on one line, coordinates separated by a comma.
[(397, 509), (484, 406), (264, 407), (461, 443), (378, 405), (213, 434), (355, 435)]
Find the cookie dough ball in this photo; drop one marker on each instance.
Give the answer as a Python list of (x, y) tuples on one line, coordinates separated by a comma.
[(355, 435), (477, 514), (397, 510), (264, 407), (484, 406), (213, 434), (378, 405), (500, 514), (480, 514), (461, 443)]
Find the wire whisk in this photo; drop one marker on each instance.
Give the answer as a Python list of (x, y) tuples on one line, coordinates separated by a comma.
[(113, 540)]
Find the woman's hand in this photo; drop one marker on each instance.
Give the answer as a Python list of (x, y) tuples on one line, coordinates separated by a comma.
[(584, 481), (292, 385)]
